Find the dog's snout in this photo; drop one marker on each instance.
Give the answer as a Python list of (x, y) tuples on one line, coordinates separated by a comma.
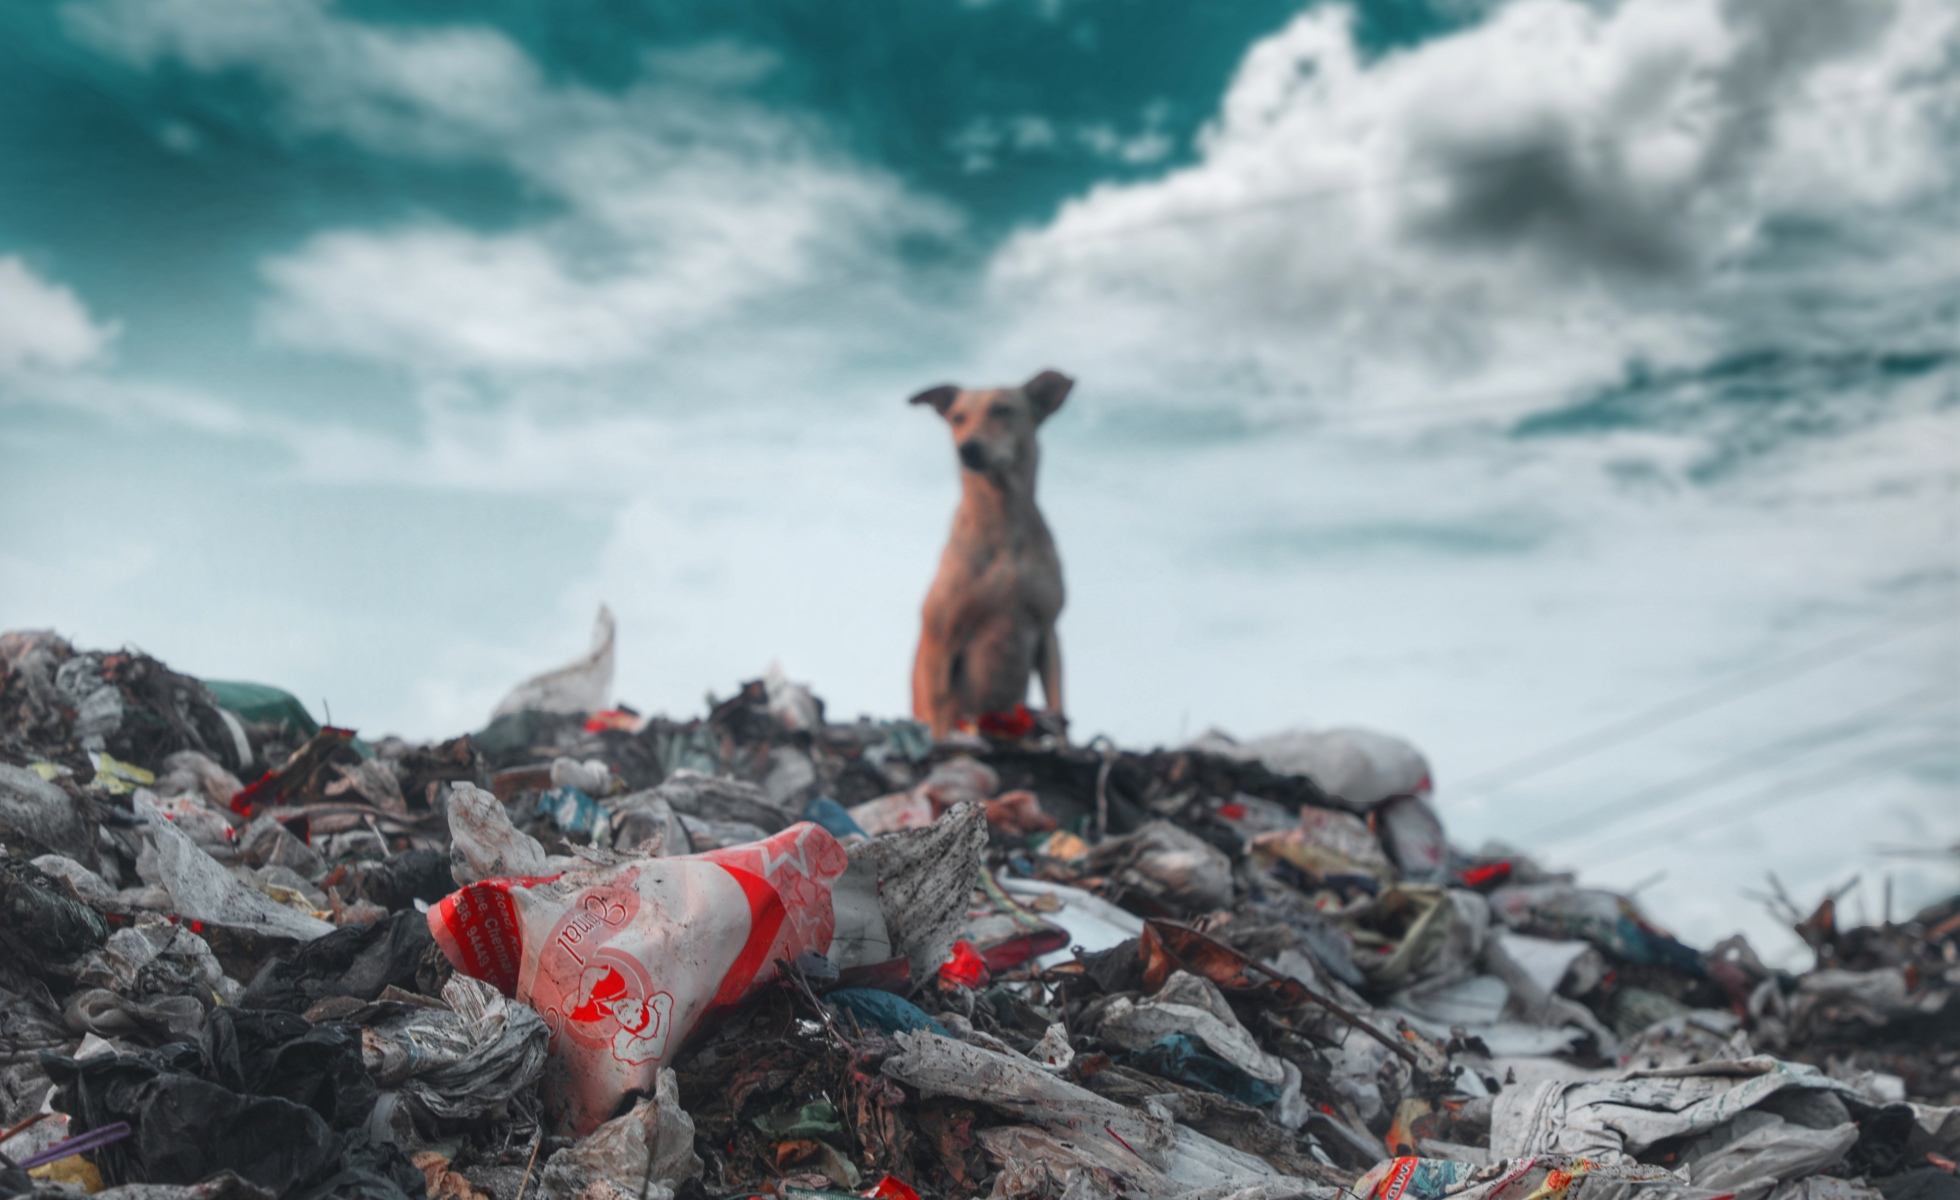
[(972, 456)]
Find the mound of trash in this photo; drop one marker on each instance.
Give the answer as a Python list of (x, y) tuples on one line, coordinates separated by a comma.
[(584, 953)]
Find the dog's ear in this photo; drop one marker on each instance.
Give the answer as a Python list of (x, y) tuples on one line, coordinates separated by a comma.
[(941, 398), (1047, 390)]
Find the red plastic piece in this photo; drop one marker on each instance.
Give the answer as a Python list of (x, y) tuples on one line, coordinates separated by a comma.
[(1486, 874), (890, 1188), (1016, 724), (964, 967), (247, 798)]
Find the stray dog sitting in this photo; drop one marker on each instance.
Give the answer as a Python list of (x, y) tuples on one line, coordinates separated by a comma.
[(989, 620)]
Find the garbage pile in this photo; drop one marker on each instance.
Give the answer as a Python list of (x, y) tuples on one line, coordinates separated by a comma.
[(583, 952)]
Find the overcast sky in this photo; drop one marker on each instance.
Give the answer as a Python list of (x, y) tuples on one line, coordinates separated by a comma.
[(1486, 373)]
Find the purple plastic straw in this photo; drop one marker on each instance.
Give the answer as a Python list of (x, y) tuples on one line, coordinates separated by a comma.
[(81, 1143)]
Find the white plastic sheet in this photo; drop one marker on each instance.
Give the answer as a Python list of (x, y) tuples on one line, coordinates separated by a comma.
[(580, 686)]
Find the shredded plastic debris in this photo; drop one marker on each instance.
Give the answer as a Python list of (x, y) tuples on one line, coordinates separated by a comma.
[(588, 953)]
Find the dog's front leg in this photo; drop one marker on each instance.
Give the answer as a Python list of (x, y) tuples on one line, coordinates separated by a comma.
[(1049, 664), (932, 687)]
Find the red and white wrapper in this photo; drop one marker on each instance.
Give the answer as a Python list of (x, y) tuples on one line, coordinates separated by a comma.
[(622, 962)]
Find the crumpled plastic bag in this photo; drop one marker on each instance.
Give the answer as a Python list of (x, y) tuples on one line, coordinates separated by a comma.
[(40, 922), (189, 812), (1327, 842), (189, 773), (87, 884), (643, 823), (1613, 923), (152, 982), (483, 844), (458, 1062), (1736, 1125), (1190, 1005), (1169, 863), (651, 1148), (715, 799), (623, 961), (1143, 1153), (39, 812), (266, 843), (356, 962), (200, 888), (269, 1096), (592, 776)]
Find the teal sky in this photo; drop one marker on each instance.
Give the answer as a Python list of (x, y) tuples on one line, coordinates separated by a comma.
[(1482, 372)]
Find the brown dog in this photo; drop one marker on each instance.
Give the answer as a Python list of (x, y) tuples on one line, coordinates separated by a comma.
[(989, 620)]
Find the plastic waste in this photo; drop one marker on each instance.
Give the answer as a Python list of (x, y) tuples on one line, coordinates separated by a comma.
[(963, 966), (643, 823), (960, 780), (199, 888), (1169, 862), (36, 811), (580, 686), (716, 798), (924, 880), (889, 814), (1019, 812), (265, 842), (1613, 923), (591, 776), (882, 1010), (133, 708), (85, 884), (460, 1062), (483, 844), (793, 705), (41, 924), (263, 704), (1473, 1025), (270, 1098), (577, 815), (622, 962), (152, 982), (1186, 1059), (1190, 1006), (1092, 923), (1360, 766), (116, 777), (1413, 838), (357, 963), (1324, 842), (834, 817), (188, 773), (1731, 1126), (205, 825), (1148, 1154), (642, 1155)]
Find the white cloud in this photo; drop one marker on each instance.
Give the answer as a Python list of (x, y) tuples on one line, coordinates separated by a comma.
[(43, 325), (680, 206), (984, 140), (1534, 201)]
